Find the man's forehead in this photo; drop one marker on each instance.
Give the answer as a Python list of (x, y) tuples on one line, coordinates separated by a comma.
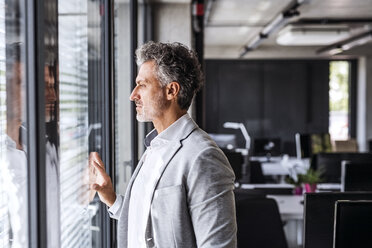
[(148, 65), (146, 72)]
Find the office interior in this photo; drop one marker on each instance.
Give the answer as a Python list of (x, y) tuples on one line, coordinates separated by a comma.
[(286, 97)]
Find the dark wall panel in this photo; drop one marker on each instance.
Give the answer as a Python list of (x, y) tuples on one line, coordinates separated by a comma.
[(274, 99)]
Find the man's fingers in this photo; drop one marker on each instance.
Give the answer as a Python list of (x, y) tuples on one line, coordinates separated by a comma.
[(95, 156), (98, 167), (96, 187)]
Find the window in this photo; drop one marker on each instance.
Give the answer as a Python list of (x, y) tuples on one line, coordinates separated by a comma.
[(74, 64), (122, 93), (81, 90), (13, 150), (74, 124), (339, 100)]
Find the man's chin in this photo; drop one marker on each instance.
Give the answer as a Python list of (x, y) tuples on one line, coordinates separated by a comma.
[(141, 118)]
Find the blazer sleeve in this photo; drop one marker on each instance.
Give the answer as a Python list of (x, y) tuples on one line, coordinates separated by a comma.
[(210, 185)]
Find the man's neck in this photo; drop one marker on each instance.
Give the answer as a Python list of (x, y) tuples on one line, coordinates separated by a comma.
[(167, 119)]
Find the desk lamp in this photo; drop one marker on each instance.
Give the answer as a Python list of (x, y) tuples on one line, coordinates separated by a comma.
[(236, 125), (245, 151)]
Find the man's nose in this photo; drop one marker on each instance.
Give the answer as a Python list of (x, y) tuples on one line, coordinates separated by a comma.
[(51, 95), (134, 95)]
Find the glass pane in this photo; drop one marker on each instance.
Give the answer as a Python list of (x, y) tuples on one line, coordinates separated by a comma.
[(122, 92), (13, 150), (80, 96), (339, 100)]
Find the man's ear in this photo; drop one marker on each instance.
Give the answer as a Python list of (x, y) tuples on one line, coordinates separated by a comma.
[(173, 89)]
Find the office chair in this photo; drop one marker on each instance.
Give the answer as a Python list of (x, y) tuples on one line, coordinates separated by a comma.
[(356, 176), (256, 174), (329, 164), (243, 194), (259, 224), (236, 161)]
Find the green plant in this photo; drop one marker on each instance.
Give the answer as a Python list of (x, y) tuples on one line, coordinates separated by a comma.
[(295, 181), (311, 177)]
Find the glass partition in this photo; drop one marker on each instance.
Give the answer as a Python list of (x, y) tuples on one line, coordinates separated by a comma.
[(13, 149)]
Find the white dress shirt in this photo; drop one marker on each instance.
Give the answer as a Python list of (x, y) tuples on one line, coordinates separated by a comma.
[(141, 192)]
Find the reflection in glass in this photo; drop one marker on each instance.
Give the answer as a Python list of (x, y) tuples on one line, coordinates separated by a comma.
[(13, 150)]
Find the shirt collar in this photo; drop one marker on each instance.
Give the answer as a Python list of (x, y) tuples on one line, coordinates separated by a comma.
[(170, 133)]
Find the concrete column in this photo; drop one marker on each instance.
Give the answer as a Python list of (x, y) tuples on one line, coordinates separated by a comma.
[(369, 99), (172, 22), (364, 102)]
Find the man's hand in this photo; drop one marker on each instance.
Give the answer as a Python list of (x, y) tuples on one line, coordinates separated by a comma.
[(101, 181)]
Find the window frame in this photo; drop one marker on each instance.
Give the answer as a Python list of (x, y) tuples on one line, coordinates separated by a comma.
[(34, 71), (34, 74)]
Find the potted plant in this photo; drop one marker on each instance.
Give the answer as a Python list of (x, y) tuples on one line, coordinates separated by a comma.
[(296, 180), (310, 179)]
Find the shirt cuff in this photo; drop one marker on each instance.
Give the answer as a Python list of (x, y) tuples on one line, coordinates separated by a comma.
[(115, 208)]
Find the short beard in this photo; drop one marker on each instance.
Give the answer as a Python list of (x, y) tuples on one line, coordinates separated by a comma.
[(142, 117), (158, 105)]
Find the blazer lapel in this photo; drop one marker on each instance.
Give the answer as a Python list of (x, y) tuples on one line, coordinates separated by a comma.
[(174, 147)]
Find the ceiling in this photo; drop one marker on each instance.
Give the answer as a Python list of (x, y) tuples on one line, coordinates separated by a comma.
[(230, 25)]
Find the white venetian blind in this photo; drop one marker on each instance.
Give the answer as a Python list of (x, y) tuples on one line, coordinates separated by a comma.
[(73, 96)]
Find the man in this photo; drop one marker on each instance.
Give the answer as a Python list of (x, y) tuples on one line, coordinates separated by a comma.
[(181, 193)]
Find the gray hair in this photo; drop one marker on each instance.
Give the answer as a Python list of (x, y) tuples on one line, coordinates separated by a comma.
[(174, 63)]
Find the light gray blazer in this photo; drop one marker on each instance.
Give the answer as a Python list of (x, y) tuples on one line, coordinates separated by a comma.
[(193, 201)]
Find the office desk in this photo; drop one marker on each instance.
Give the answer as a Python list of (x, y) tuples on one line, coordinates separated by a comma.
[(290, 206), (291, 210), (281, 166)]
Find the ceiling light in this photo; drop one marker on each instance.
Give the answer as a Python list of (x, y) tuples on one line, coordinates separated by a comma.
[(296, 36), (358, 42), (347, 44), (277, 23)]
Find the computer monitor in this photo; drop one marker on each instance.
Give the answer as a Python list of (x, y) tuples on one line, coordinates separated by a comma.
[(267, 147), (319, 209), (309, 144), (353, 224), (356, 176), (329, 164), (224, 141)]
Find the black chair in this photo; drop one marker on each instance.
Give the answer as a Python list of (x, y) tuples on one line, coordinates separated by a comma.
[(236, 161), (256, 174), (259, 224), (330, 164), (356, 176), (243, 194), (319, 210)]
